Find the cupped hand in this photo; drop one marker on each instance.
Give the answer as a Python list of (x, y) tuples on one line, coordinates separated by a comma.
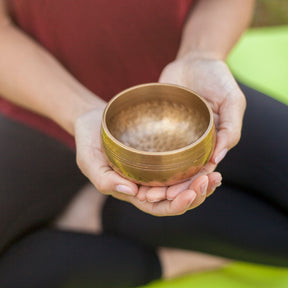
[(93, 164), (211, 79)]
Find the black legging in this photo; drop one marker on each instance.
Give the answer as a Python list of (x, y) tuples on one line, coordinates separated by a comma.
[(245, 219)]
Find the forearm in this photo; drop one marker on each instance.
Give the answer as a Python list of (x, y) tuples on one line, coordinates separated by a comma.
[(214, 26), (32, 78)]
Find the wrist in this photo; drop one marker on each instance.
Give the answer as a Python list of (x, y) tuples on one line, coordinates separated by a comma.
[(81, 103), (214, 27), (199, 54)]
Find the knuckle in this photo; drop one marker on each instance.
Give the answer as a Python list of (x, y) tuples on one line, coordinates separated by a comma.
[(104, 183), (101, 185)]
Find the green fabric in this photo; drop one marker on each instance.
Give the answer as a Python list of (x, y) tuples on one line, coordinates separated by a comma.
[(237, 275), (260, 60)]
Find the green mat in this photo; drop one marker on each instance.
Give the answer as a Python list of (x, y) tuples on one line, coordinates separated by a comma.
[(237, 275), (260, 60)]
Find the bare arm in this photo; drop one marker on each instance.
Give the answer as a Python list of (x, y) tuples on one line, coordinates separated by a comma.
[(33, 79), (212, 29), (214, 26)]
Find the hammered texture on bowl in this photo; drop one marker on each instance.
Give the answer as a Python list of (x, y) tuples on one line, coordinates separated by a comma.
[(157, 134), (158, 126)]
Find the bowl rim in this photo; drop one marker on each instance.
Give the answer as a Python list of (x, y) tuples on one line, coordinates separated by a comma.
[(153, 153)]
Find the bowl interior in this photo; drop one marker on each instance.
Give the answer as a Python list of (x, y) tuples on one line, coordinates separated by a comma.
[(157, 118)]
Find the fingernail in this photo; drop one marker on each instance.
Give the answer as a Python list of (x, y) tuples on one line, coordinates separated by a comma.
[(193, 198), (203, 188), (124, 189), (217, 184), (221, 156)]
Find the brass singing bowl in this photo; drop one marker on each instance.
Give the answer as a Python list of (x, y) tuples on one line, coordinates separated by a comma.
[(157, 134)]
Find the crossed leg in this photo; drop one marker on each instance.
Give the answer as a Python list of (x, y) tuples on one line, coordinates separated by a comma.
[(245, 219)]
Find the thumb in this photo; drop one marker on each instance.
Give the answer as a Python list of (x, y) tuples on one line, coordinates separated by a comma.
[(230, 125), (94, 165), (170, 74)]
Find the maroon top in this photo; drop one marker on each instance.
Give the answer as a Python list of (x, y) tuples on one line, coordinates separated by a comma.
[(107, 47)]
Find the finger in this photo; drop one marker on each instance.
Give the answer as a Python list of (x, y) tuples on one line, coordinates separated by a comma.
[(207, 169), (174, 190), (215, 180), (171, 76), (200, 186), (94, 165), (230, 124), (181, 203), (175, 207), (216, 119), (141, 195), (155, 194)]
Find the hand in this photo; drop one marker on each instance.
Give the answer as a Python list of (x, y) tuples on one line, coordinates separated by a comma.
[(212, 79), (94, 165)]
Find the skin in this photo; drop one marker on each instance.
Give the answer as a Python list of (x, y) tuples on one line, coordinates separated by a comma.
[(82, 216), (210, 32)]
